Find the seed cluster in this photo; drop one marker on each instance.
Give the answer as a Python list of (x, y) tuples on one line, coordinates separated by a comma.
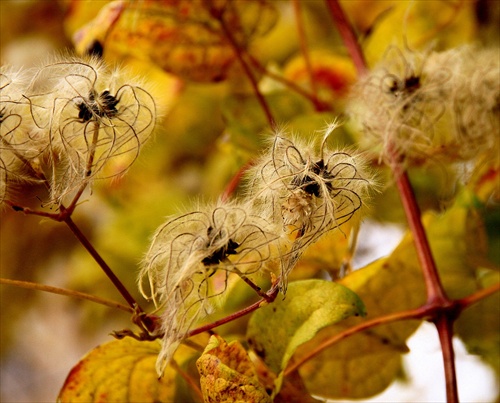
[(62, 122), (296, 193), (415, 107)]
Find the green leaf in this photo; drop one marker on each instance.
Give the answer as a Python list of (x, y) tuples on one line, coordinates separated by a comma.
[(277, 330), (364, 364), (228, 375), (392, 284), (119, 371)]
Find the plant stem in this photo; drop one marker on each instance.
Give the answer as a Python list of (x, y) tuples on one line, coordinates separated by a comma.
[(234, 182), (393, 317), (441, 310), (424, 312), (28, 211), (193, 383), (104, 266), (271, 296), (348, 36), (303, 47), (66, 292), (477, 296), (435, 292), (88, 169), (318, 104), (444, 326), (246, 68)]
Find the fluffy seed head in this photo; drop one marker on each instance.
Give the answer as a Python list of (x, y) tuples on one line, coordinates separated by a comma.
[(417, 106), (188, 265), (20, 144), (309, 189), (91, 116)]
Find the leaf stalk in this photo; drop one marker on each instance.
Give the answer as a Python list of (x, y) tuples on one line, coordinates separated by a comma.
[(65, 292)]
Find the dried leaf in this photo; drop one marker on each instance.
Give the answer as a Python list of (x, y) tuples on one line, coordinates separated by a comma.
[(228, 375), (187, 38)]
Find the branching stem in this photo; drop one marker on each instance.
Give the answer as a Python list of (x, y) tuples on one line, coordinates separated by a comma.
[(318, 104), (428, 311), (478, 296), (393, 317), (441, 309)]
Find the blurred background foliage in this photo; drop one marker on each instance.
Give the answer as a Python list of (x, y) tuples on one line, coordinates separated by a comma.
[(212, 126)]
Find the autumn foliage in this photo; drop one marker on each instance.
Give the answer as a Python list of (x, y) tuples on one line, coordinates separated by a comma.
[(217, 160)]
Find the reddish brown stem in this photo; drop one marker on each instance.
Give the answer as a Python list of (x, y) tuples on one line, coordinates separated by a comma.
[(233, 184), (435, 292), (271, 296), (100, 261), (441, 309), (427, 311), (348, 35), (318, 104), (246, 68), (477, 296), (65, 292), (303, 46), (444, 326), (393, 317), (193, 383), (64, 215)]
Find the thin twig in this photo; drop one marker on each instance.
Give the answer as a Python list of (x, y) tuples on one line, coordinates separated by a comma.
[(271, 296), (348, 36), (318, 104), (104, 266), (427, 311), (466, 302), (234, 182), (418, 313), (66, 292), (246, 68), (88, 169), (188, 378), (303, 46), (442, 310), (29, 211)]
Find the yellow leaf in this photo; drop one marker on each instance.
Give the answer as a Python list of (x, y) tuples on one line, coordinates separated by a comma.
[(392, 284), (119, 371), (417, 24)]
